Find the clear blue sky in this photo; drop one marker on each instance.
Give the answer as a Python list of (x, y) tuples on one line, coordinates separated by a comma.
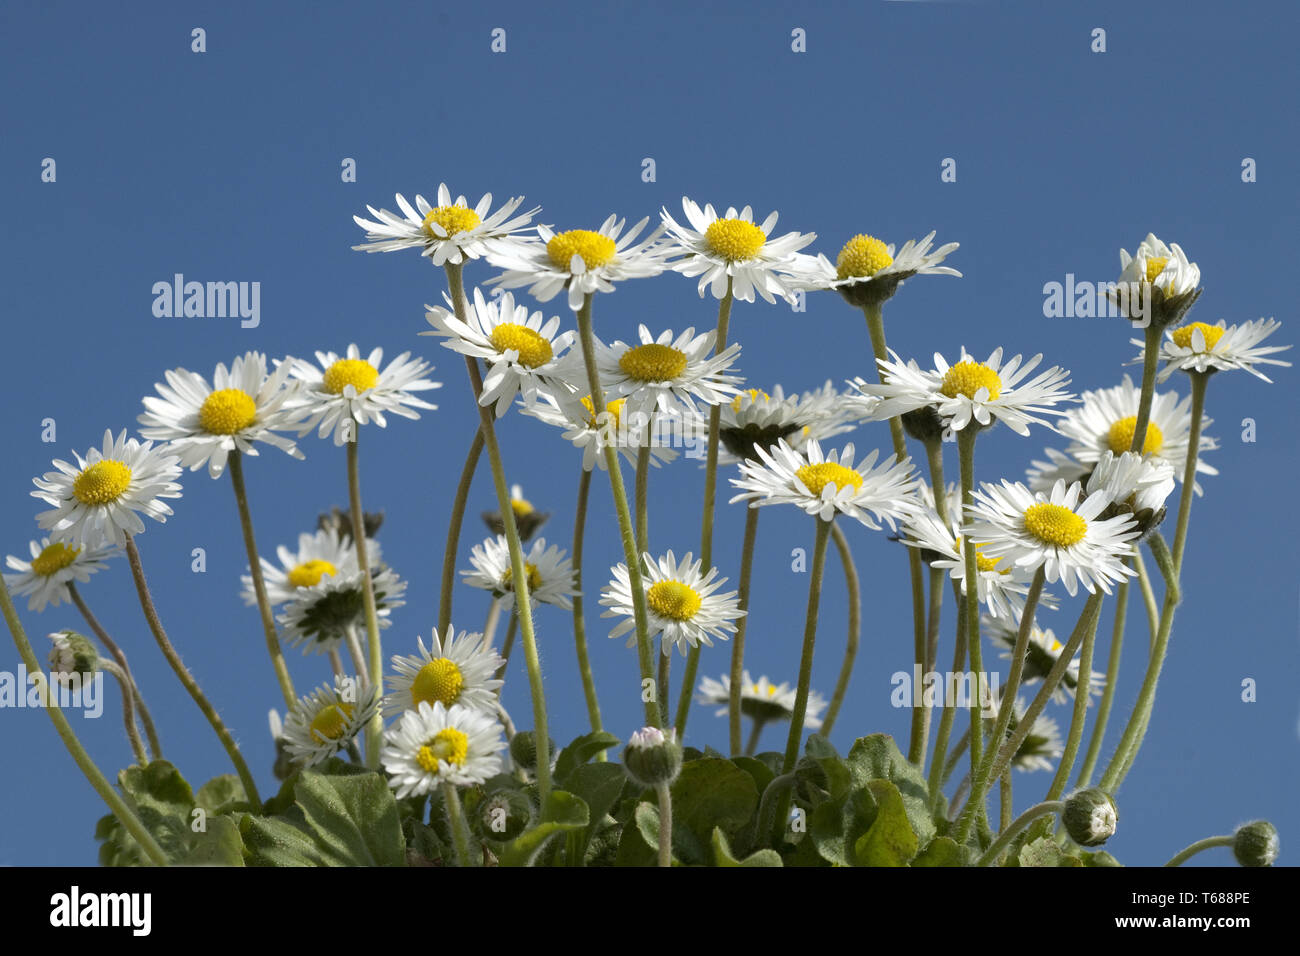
[(226, 166)]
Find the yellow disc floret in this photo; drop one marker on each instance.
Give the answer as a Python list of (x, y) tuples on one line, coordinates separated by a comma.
[(449, 746), (438, 680), (227, 411), (594, 248), (1212, 333), (309, 573), (1055, 524), (967, 378), (532, 347), (54, 557), (102, 483), (817, 477), (862, 256), (358, 373), (530, 572), (452, 219), (330, 723), (753, 394), (653, 363), (1155, 266), (734, 240), (614, 411), (1120, 437), (673, 600), (522, 507)]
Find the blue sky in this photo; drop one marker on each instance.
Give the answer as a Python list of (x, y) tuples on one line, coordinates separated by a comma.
[(225, 166)]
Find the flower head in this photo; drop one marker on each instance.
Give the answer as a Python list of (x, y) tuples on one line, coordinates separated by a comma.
[(681, 603), (448, 232), (550, 573), (1199, 347), (868, 271), (761, 700), (435, 744), (53, 566), (327, 720), (324, 554), (459, 670)]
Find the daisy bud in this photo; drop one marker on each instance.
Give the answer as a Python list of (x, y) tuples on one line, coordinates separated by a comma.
[(506, 814), (523, 750), (652, 757), (72, 654), (924, 424), (527, 518), (1255, 844), (1090, 817)]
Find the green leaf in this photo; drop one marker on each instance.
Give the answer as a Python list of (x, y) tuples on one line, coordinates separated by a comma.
[(890, 840), (1100, 858), (163, 801), (877, 757), (941, 851), (599, 785), (819, 746), (761, 772), (220, 845), (223, 794), (581, 750), (722, 854), (1045, 852), (836, 825), (563, 813), (686, 848), (713, 792)]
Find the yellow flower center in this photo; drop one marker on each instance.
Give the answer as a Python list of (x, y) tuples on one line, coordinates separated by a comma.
[(448, 746), (594, 248), (753, 394), (734, 239), (530, 572), (438, 680), (227, 411), (54, 557), (330, 723), (358, 373), (1120, 437), (614, 409), (1055, 524), (1155, 266), (1212, 333), (967, 378), (817, 477), (653, 363), (309, 573), (986, 564), (862, 256), (522, 507), (453, 219), (532, 347), (101, 483), (673, 600)]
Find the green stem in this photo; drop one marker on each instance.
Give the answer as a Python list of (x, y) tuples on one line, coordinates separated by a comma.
[(938, 760), (1148, 595), (642, 497), (116, 805), (518, 574), (579, 619), (738, 642), (1108, 694), (854, 586), (663, 686), (1208, 843), (507, 646), (1019, 823), (755, 731), (1004, 787), (459, 828), (451, 551), (665, 824), (1199, 382), (128, 711), (186, 678), (375, 666), (236, 462), (1151, 357), (980, 775)]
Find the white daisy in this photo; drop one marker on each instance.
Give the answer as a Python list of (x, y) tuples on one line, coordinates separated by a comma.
[(323, 554), (1198, 347), (53, 565), (732, 247), (757, 417), (319, 617), (549, 572), (581, 260), (204, 424), (434, 745), (101, 498), (347, 389), (1055, 531), (824, 485), (327, 720), (1165, 267), (522, 351), (681, 603), (449, 232), (1105, 422), (594, 433), (1041, 654), (1133, 482), (969, 390), (761, 700), (460, 671), (869, 271)]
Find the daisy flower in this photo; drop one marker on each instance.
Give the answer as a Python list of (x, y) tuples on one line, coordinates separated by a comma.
[(550, 573), (761, 700), (320, 555), (830, 484), (204, 424), (527, 518), (755, 417), (731, 250), (347, 389), (433, 745), (867, 271), (1159, 276), (102, 497), (1135, 485), (1055, 531), (1199, 347), (326, 721), (594, 433), (522, 351), (681, 603), (456, 672), (319, 616), (1041, 655), (53, 566), (969, 390), (448, 232), (582, 260), (1105, 423)]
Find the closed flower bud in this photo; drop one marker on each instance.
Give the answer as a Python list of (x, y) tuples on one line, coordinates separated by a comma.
[(523, 750), (72, 654), (1255, 844), (653, 758), (505, 814), (1090, 817)]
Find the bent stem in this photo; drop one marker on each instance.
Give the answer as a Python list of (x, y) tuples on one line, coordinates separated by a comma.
[(738, 642), (1208, 843), (579, 619), (1108, 693), (854, 586), (236, 461), (375, 667), (1019, 823), (116, 805), (186, 678), (452, 548)]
